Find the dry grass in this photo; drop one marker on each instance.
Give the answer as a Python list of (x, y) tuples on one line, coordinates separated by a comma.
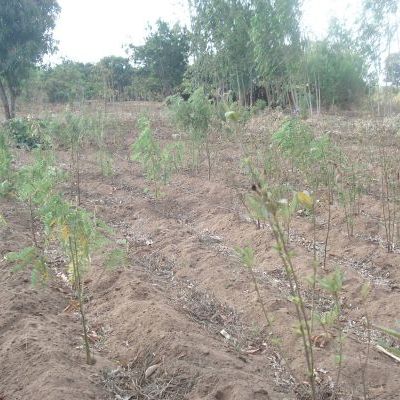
[(131, 382)]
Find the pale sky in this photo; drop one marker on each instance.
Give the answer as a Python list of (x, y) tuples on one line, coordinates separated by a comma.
[(88, 30)]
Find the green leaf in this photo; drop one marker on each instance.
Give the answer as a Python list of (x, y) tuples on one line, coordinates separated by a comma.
[(388, 331), (232, 116)]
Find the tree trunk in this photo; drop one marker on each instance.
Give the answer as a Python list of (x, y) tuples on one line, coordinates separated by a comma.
[(4, 100), (13, 97)]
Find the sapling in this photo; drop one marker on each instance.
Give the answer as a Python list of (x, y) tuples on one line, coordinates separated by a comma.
[(348, 193), (267, 210), (195, 116), (294, 140), (287, 210), (390, 193), (365, 293), (34, 186), (78, 235), (72, 130), (333, 284), (159, 163)]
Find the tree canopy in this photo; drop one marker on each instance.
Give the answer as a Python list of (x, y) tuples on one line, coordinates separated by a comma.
[(163, 59)]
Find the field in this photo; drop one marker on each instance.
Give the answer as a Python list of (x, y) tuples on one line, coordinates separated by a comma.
[(180, 317)]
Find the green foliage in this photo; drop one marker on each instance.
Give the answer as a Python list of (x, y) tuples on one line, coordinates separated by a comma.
[(377, 26), (28, 132), (25, 36), (332, 283), (391, 332), (259, 106), (313, 157), (195, 118), (34, 185), (117, 74), (266, 206), (32, 258), (73, 130), (106, 163), (275, 33), (115, 259), (294, 138), (337, 68), (163, 59), (246, 255), (71, 81), (158, 163), (328, 319), (5, 166), (35, 182), (222, 46)]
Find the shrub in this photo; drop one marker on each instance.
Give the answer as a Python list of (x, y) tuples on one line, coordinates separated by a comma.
[(28, 132)]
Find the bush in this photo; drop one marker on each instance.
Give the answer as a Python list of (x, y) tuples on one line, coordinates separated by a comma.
[(28, 132), (259, 105)]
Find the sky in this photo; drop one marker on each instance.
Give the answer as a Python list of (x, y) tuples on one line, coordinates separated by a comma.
[(88, 30)]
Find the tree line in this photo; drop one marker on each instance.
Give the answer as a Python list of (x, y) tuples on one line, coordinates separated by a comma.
[(239, 49)]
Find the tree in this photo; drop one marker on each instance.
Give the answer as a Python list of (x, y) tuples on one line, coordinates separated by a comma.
[(222, 47), (275, 32), (243, 44), (336, 68), (378, 25), (392, 69), (164, 56), (338, 72), (70, 81), (117, 74), (25, 36)]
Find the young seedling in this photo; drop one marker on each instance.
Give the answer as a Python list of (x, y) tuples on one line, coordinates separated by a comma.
[(333, 284), (246, 255)]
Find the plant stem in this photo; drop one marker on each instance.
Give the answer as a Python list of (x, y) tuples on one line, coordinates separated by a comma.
[(299, 305), (328, 229), (259, 298), (79, 288)]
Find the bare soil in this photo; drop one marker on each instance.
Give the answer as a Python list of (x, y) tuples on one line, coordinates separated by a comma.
[(183, 285)]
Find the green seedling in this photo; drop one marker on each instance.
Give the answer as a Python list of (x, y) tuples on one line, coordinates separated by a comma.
[(246, 255), (106, 163), (29, 257), (333, 284)]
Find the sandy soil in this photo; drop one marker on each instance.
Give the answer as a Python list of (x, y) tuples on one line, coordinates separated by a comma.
[(183, 284)]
